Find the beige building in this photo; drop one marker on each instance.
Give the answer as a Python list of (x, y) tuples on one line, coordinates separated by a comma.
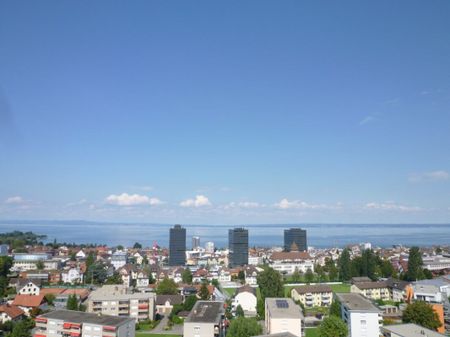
[(205, 320), (61, 323), (116, 300), (372, 290), (319, 295), (408, 330), (283, 315)]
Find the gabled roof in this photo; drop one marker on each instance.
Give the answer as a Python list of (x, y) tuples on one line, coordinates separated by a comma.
[(291, 256), (371, 285), (28, 300), (318, 288), (23, 282), (11, 310), (173, 299), (247, 289)]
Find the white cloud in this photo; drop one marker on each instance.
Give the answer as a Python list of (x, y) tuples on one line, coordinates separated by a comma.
[(432, 176), (17, 200), (199, 201), (391, 206), (367, 120), (126, 199), (298, 204), (243, 204)]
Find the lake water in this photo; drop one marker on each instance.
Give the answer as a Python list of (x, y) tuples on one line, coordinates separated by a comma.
[(319, 235)]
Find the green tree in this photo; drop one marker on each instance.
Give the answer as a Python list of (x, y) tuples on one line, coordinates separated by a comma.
[(244, 327), (331, 269), (335, 308), (344, 265), (296, 276), (239, 311), (72, 302), (120, 247), (309, 276), (241, 276), (387, 270), (204, 292), (260, 308), (167, 287), (189, 302), (22, 328), (50, 298), (96, 273), (137, 245), (270, 283), (114, 279), (333, 326), (186, 276), (427, 274), (90, 260), (423, 314), (40, 265), (368, 264), (415, 263), (145, 260)]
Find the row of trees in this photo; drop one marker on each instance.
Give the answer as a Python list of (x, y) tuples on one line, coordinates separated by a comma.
[(373, 266)]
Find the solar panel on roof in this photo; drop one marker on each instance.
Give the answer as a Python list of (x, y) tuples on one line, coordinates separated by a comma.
[(282, 304)]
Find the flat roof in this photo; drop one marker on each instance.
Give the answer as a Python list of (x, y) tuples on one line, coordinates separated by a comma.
[(410, 330), (356, 302), (84, 317), (283, 308), (206, 312)]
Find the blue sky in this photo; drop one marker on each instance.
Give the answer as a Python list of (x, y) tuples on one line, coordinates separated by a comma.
[(225, 112)]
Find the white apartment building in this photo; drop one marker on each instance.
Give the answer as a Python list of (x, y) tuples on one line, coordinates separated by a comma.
[(115, 300), (62, 323), (288, 262), (319, 295), (283, 315), (361, 315), (246, 298)]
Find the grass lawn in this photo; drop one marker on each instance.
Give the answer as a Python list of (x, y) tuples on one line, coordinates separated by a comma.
[(229, 291), (154, 335), (340, 288), (312, 332)]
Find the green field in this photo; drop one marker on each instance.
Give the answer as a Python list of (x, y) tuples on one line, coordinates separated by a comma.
[(312, 332), (340, 288), (229, 291), (154, 335)]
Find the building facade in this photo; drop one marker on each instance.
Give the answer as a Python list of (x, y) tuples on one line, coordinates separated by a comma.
[(295, 240), (283, 315), (238, 247), (64, 323), (206, 319), (177, 246)]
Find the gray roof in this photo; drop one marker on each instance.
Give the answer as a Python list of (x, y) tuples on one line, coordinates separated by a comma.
[(206, 312), (315, 288), (117, 292), (83, 317), (410, 330), (173, 299), (287, 309), (356, 302)]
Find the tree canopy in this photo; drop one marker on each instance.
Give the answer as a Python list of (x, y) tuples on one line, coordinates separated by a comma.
[(244, 327), (422, 314), (167, 287), (333, 326)]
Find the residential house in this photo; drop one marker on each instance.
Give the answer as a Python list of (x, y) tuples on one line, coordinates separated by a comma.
[(372, 290), (28, 286), (165, 303), (319, 295), (10, 313), (283, 315), (28, 302), (72, 276), (246, 298), (206, 319)]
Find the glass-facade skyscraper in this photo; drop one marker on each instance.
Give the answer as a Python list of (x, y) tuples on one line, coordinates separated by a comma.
[(177, 246), (238, 247), (295, 240)]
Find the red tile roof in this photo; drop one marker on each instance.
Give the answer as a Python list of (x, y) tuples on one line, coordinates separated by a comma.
[(11, 310), (31, 301)]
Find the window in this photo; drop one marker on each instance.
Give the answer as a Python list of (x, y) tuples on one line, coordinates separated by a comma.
[(363, 322)]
